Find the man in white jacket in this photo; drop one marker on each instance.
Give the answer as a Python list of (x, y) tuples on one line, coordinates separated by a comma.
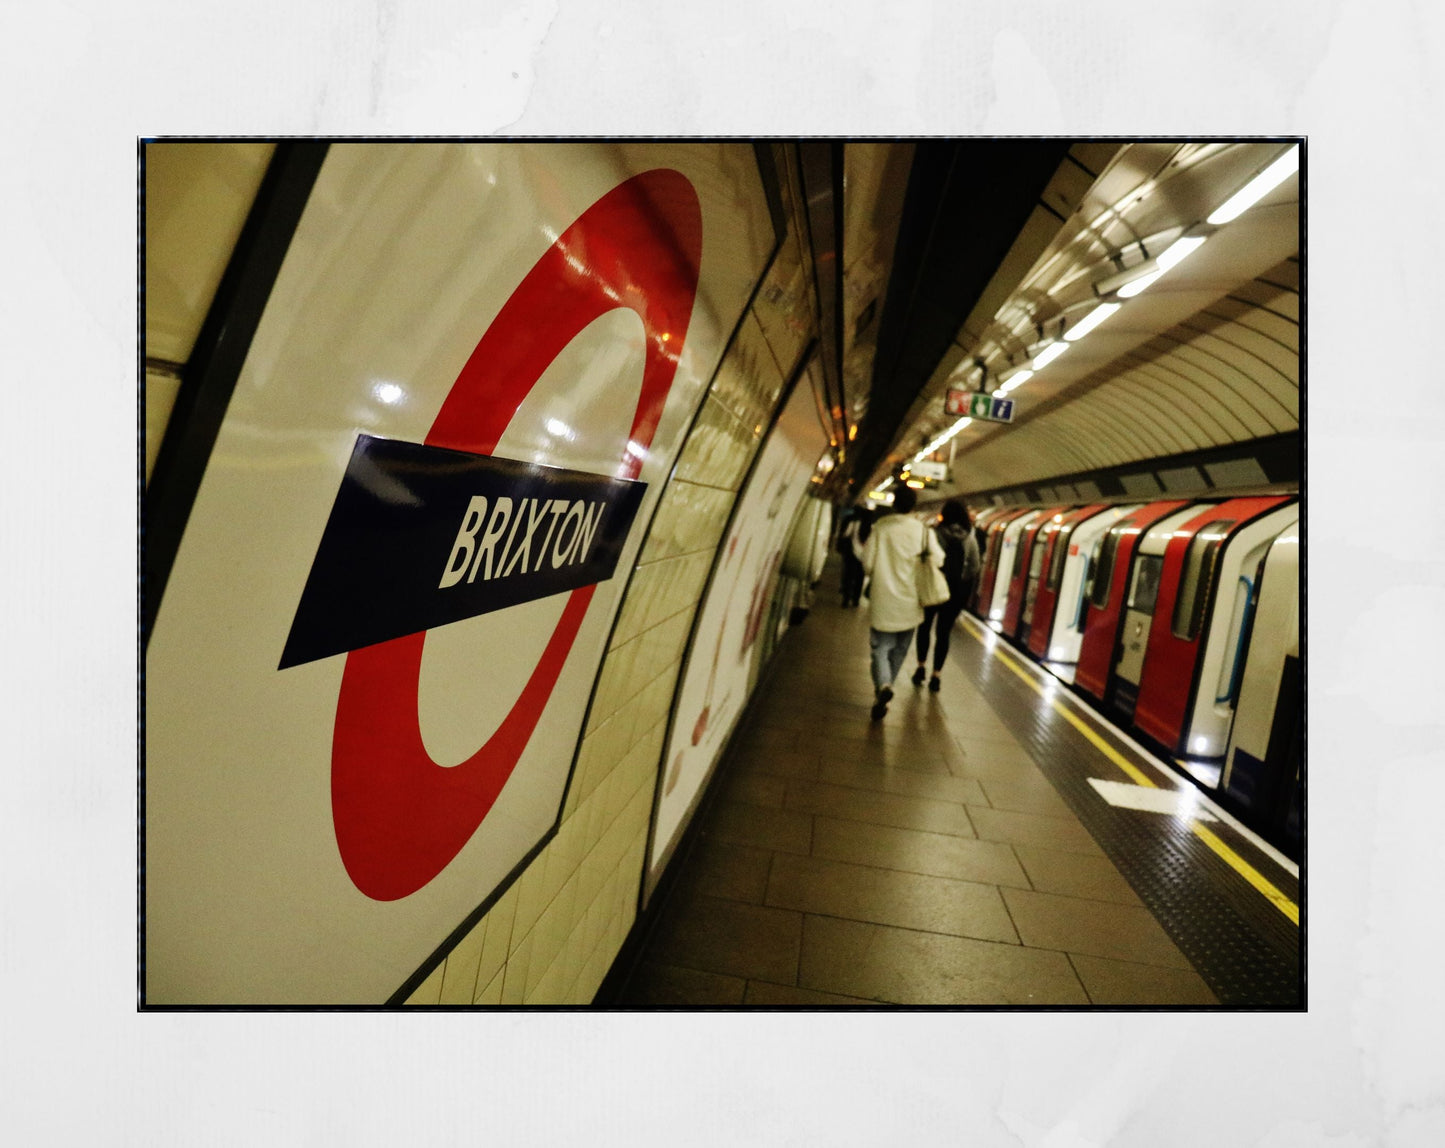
[(891, 559)]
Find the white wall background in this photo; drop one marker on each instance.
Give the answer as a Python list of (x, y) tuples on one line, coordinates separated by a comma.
[(80, 80)]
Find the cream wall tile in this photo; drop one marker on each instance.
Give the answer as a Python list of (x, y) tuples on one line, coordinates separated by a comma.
[(673, 513), (591, 824), (721, 442), (515, 983), (574, 956), (593, 768), (592, 874), (548, 991), (550, 934), (750, 388), (429, 992), (626, 726), (459, 984), (530, 900), (492, 994), (634, 607), (498, 941), (705, 531), (560, 866)]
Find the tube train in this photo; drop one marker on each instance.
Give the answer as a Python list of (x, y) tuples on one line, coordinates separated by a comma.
[(1176, 619)]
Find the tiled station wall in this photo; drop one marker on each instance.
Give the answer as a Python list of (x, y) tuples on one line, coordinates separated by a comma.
[(553, 935)]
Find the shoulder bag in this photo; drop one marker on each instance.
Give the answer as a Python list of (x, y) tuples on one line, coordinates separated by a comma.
[(932, 585)]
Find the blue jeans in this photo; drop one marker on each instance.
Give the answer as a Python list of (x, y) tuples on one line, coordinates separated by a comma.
[(889, 650)]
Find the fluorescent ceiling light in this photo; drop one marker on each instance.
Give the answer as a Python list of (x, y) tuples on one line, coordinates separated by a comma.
[(1015, 380), (1257, 188), (1132, 288), (1092, 320), (1175, 254), (943, 438), (1049, 354), (1180, 250)]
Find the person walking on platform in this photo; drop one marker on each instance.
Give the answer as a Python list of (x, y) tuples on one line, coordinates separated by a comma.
[(850, 543), (891, 557), (960, 568)]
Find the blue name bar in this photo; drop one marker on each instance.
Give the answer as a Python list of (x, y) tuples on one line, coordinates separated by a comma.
[(421, 536)]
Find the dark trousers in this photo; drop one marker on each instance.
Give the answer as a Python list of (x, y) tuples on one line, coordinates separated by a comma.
[(852, 579), (943, 617)]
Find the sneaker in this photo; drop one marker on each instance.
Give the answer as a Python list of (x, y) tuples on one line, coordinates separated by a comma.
[(933, 684), (918, 676), (879, 709), (885, 695)]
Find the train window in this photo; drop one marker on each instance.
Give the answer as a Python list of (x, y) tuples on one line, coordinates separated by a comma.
[(1018, 555), (1200, 561), (1036, 559), (1104, 571), (1061, 553), (1146, 583)]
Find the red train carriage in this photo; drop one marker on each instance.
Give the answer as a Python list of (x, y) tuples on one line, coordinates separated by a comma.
[(1042, 598), (1104, 612), (1003, 534), (1202, 613), (1023, 568)]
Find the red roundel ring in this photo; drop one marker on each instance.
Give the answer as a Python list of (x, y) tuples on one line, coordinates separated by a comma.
[(400, 818)]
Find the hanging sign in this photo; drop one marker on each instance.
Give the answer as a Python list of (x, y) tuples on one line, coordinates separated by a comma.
[(956, 401), (930, 471), (990, 407)]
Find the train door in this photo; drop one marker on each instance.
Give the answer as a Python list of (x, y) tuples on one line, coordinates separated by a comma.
[(1192, 569), (1226, 630), (1262, 767), (1039, 619), (983, 524), (996, 579), (1073, 582), (1143, 592), (1024, 569)]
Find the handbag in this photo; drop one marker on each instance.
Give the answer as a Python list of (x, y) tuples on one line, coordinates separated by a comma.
[(932, 585)]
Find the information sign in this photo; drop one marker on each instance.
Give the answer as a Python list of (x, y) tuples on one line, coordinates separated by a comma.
[(991, 408)]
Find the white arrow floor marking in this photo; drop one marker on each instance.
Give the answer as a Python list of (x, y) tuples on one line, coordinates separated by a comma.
[(1175, 802)]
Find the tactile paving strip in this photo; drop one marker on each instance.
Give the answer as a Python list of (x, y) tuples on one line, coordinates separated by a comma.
[(1242, 945)]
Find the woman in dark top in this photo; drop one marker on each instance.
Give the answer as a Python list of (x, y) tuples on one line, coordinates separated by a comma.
[(960, 568)]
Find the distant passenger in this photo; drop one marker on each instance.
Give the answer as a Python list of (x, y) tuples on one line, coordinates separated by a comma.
[(890, 558), (850, 546), (960, 567)]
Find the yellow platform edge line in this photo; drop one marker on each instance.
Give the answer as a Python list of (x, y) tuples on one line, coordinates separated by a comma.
[(1138, 775), (1233, 859), (1248, 872)]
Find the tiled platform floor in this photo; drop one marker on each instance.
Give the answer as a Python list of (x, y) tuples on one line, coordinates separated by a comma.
[(923, 860)]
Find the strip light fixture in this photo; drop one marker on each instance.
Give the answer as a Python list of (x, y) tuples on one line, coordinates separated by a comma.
[(942, 439), (1257, 188), (1049, 354), (1017, 379), (1090, 321)]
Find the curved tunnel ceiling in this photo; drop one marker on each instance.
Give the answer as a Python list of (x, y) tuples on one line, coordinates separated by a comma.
[(1206, 357)]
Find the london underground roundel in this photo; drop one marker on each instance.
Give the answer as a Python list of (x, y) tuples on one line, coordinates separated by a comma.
[(400, 818)]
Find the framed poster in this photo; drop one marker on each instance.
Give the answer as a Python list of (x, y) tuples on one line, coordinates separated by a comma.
[(366, 680)]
